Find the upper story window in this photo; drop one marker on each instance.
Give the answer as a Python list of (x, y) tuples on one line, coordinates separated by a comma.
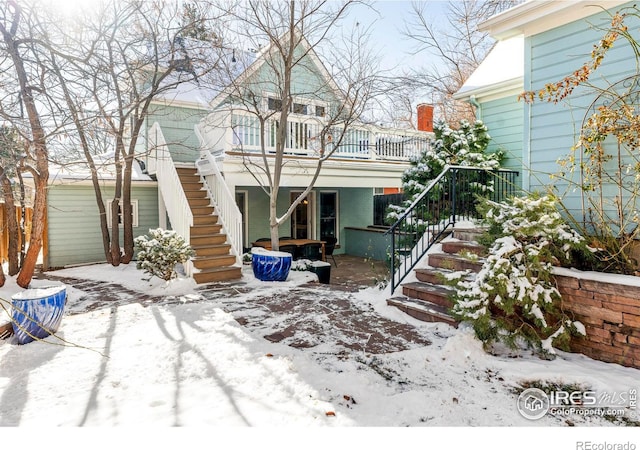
[(299, 108), (275, 104), (320, 111)]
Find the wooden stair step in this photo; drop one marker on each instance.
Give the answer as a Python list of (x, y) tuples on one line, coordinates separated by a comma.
[(458, 246), (424, 311), (186, 171), (209, 239), (199, 202), (454, 262), (211, 250), (207, 262), (205, 230), (193, 194), (204, 219), (217, 274), (428, 292), (202, 210)]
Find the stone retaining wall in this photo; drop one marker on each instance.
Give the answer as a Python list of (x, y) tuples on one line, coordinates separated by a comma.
[(609, 308)]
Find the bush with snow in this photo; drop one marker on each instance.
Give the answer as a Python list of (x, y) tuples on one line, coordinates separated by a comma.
[(464, 146), (159, 253), (513, 298)]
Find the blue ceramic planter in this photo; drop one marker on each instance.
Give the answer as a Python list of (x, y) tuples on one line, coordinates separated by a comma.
[(37, 313), (269, 265)]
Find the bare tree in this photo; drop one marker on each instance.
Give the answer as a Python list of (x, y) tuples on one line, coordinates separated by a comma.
[(110, 70), (288, 36), (26, 106), (457, 46)]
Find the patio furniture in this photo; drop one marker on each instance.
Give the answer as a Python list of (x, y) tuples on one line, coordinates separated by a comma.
[(329, 247), (300, 243), (289, 248), (312, 251)]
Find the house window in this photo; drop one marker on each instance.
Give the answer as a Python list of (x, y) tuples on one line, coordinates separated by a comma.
[(328, 215), (275, 104), (378, 191), (299, 108), (320, 111), (134, 207)]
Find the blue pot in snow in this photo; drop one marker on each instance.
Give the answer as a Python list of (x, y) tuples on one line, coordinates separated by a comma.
[(37, 313), (270, 265)]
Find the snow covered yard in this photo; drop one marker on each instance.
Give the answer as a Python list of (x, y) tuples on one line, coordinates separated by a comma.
[(179, 355)]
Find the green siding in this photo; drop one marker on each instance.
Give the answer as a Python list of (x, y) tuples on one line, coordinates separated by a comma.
[(552, 129), (355, 209), (177, 125), (74, 224), (504, 118)]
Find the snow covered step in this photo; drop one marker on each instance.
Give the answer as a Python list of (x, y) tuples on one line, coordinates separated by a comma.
[(437, 276), (454, 262), (458, 246), (432, 293), (425, 311), (468, 234)]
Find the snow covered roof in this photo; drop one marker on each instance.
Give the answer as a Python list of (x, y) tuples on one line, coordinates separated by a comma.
[(499, 74), (79, 170)]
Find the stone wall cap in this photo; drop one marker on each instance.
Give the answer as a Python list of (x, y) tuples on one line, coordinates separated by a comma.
[(613, 278)]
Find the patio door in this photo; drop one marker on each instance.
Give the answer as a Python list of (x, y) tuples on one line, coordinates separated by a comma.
[(302, 217)]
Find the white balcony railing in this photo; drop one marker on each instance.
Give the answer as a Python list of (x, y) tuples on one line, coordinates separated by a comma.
[(173, 195), (240, 131)]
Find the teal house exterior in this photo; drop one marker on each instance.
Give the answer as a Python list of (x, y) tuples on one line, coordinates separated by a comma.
[(540, 42), (216, 136)]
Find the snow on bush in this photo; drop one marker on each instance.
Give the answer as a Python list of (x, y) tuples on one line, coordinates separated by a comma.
[(464, 146), (159, 253), (513, 298)]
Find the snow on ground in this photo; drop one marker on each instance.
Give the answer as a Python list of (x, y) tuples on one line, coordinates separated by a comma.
[(184, 359)]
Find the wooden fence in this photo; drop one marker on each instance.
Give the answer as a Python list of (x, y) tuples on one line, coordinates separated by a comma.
[(4, 231)]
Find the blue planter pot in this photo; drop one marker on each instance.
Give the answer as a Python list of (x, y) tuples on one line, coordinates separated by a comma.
[(37, 313), (269, 265)]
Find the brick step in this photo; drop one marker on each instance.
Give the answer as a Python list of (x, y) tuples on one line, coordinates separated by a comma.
[(207, 262), (468, 234), (211, 250), (217, 274), (424, 311), (464, 246), (437, 276), (433, 293), (210, 239), (199, 202), (205, 230), (454, 262)]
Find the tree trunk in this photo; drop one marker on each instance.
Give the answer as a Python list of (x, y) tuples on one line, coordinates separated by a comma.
[(127, 212), (12, 225), (37, 228)]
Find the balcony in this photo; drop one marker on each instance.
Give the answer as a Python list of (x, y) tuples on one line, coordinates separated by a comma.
[(239, 131)]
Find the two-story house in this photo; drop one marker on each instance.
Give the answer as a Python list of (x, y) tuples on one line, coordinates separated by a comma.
[(202, 172)]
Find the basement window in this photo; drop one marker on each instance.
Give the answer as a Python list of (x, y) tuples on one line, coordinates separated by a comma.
[(134, 207)]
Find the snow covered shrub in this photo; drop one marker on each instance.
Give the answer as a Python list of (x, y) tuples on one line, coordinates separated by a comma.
[(159, 253), (513, 298), (462, 147)]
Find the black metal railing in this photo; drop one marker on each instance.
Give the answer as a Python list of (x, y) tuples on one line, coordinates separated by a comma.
[(452, 196)]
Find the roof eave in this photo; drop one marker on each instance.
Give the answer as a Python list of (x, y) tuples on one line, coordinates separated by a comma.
[(493, 91), (537, 16)]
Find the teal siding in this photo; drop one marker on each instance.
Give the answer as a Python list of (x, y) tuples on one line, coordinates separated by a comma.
[(177, 123), (551, 130), (74, 224), (504, 118), (355, 209)]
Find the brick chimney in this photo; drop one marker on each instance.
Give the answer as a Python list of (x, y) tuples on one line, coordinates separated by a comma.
[(425, 117)]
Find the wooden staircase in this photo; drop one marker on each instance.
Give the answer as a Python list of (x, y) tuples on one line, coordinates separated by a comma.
[(428, 299), (213, 258)]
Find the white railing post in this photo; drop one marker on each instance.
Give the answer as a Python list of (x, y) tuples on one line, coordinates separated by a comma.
[(172, 193)]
